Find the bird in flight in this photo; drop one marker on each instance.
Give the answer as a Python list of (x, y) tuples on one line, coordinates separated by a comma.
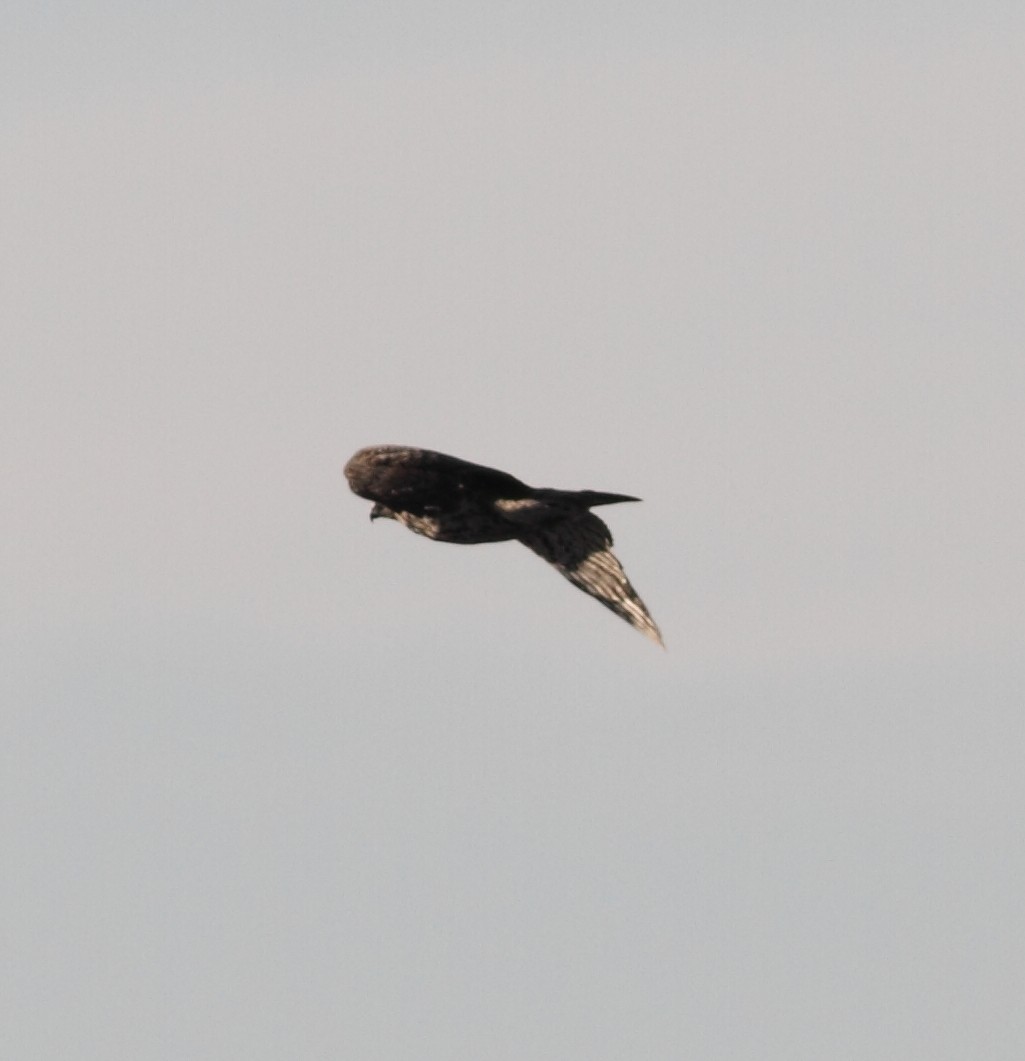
[(452, 500)]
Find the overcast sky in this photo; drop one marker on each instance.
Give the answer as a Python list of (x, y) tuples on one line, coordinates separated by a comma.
[(279, 783)]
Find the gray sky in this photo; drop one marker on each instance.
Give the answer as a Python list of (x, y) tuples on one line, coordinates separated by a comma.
[(279, 783)]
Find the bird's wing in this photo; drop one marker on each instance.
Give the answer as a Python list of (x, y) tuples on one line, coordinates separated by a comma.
[(579, 546), (414, 480)]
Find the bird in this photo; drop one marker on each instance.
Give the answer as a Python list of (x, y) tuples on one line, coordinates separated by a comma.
[(452, 500)]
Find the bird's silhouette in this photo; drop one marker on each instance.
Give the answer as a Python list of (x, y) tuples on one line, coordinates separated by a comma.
[(452, 500)]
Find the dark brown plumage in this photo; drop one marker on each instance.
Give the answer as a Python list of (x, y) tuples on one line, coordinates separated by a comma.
[(452, 500)]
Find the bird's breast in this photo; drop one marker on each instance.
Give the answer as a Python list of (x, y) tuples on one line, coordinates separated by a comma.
[(464, 525)]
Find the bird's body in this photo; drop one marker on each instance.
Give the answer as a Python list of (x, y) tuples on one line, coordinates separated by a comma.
[(452, 500)]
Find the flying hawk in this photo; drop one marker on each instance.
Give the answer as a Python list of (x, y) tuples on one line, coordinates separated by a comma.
[(452, 500)]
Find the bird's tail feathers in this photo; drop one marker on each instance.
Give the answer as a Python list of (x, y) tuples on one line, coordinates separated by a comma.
[(594, 497), (580, 498)]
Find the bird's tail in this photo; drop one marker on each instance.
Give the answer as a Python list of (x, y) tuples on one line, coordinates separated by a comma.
[(593, 497), (582, 498)]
